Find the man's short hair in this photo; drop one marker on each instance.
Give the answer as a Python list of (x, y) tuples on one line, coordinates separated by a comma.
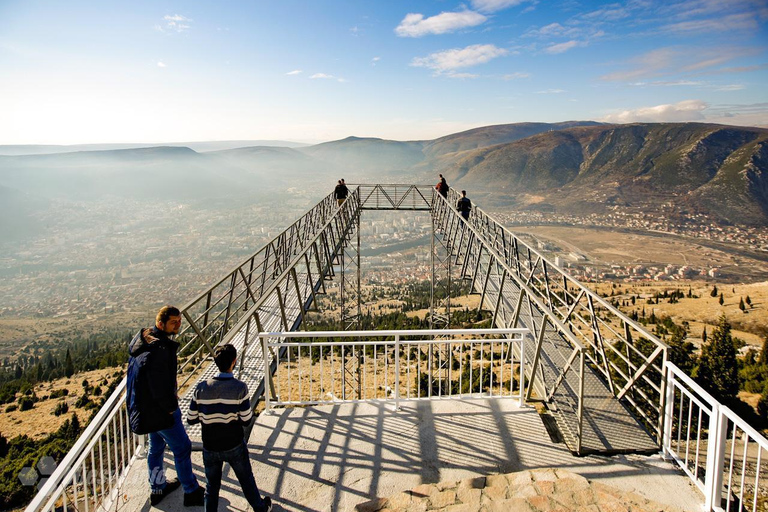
[(463, 192), (224, 355), (167, 312)]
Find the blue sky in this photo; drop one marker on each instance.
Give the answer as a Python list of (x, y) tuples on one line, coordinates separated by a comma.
[(91, 72)]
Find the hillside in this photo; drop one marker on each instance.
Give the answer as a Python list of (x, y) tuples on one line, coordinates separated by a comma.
[(575, 167), (367, 156), (715, 170), (492, 135)]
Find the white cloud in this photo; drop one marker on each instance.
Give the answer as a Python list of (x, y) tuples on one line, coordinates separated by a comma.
[(554, 30), (733, 22), (375, 60), (459, 57), (294, 72), (161, 64), (326, 76), (649, 64), (731, 87), (688, 110), (674, 60), (495, 5), (416, 25), (461, 75), (177, 22), (563, 47), (551, 91), (516, 76)]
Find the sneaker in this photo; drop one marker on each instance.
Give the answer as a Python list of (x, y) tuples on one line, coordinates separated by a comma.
[(268, 504), (158, 495), (195, 498)]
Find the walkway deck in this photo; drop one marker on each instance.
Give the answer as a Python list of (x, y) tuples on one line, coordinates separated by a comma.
[(330, 458)]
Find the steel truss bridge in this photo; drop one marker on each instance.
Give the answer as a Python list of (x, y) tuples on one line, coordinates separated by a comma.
[(600, 374)]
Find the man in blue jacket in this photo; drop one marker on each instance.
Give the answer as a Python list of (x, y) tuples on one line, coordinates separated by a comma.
[(153, 406)]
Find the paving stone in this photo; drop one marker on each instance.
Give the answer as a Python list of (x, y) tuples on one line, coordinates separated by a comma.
[(471, 496), (520, 479), (544, 490), (442, 499), (511, 505), (423, 490), (472, 483), (495, 493), (496, 481), (373, 505), (587, 508), (523, 492), (544, 474), (544, 487), (460, 508), (441, 486), (400, 501), (613, 506), (539, 503), (570, 485)]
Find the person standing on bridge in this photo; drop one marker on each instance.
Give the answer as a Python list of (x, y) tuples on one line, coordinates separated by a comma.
[(223, 406), (464, 205), (153, 406), (442, 187), (341, 192)]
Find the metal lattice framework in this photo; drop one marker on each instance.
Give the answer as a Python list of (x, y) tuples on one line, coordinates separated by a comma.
[(590, 361), (596, 367)]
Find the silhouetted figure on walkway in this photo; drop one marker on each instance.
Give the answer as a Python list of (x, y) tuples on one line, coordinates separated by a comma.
[(442, 187), (341, 192), (464, 205)]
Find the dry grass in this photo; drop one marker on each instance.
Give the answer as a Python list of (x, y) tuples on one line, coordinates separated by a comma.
[(40, 420), (704, 311)]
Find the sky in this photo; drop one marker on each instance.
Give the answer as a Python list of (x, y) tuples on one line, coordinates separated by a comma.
[(76, 72)]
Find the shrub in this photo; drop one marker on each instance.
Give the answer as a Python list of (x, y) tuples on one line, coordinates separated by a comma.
[(26, 403), (61, 408)]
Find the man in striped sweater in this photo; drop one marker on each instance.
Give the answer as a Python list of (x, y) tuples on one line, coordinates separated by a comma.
[(223, 407)]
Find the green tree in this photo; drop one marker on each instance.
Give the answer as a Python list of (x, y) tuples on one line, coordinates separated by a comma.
[(749, 301), (763, 359), (713, 293), (704, 335), (741, 304), (721, 299), (69, 367), (762, 404), (718, 370)]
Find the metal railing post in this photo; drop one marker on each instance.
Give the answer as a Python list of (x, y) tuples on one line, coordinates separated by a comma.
[(713, 476), (669, 412), (268, 385), (522, 370), (580, 428), (397, 372)]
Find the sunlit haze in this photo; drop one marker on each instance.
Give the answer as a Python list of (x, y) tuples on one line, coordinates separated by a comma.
[(90, 72)]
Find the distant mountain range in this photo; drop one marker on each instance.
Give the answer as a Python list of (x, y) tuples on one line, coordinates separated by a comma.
[(573, 167)]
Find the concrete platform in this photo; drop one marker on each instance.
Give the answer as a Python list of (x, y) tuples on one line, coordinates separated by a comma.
[(331, 458)]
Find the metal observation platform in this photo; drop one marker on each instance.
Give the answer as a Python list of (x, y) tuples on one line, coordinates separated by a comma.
[(603, 378)]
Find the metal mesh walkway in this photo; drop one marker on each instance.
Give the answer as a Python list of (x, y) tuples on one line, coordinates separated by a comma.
[(602, 408)]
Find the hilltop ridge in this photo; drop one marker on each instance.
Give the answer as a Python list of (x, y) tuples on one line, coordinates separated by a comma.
[(576, 167)]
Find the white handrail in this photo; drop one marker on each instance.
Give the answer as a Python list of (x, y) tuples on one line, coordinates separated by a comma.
[(379, 359), (715, 435), (61, 477)]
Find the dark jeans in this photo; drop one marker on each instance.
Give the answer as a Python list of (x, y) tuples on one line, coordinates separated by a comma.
[(241, 464), (177, 440)]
